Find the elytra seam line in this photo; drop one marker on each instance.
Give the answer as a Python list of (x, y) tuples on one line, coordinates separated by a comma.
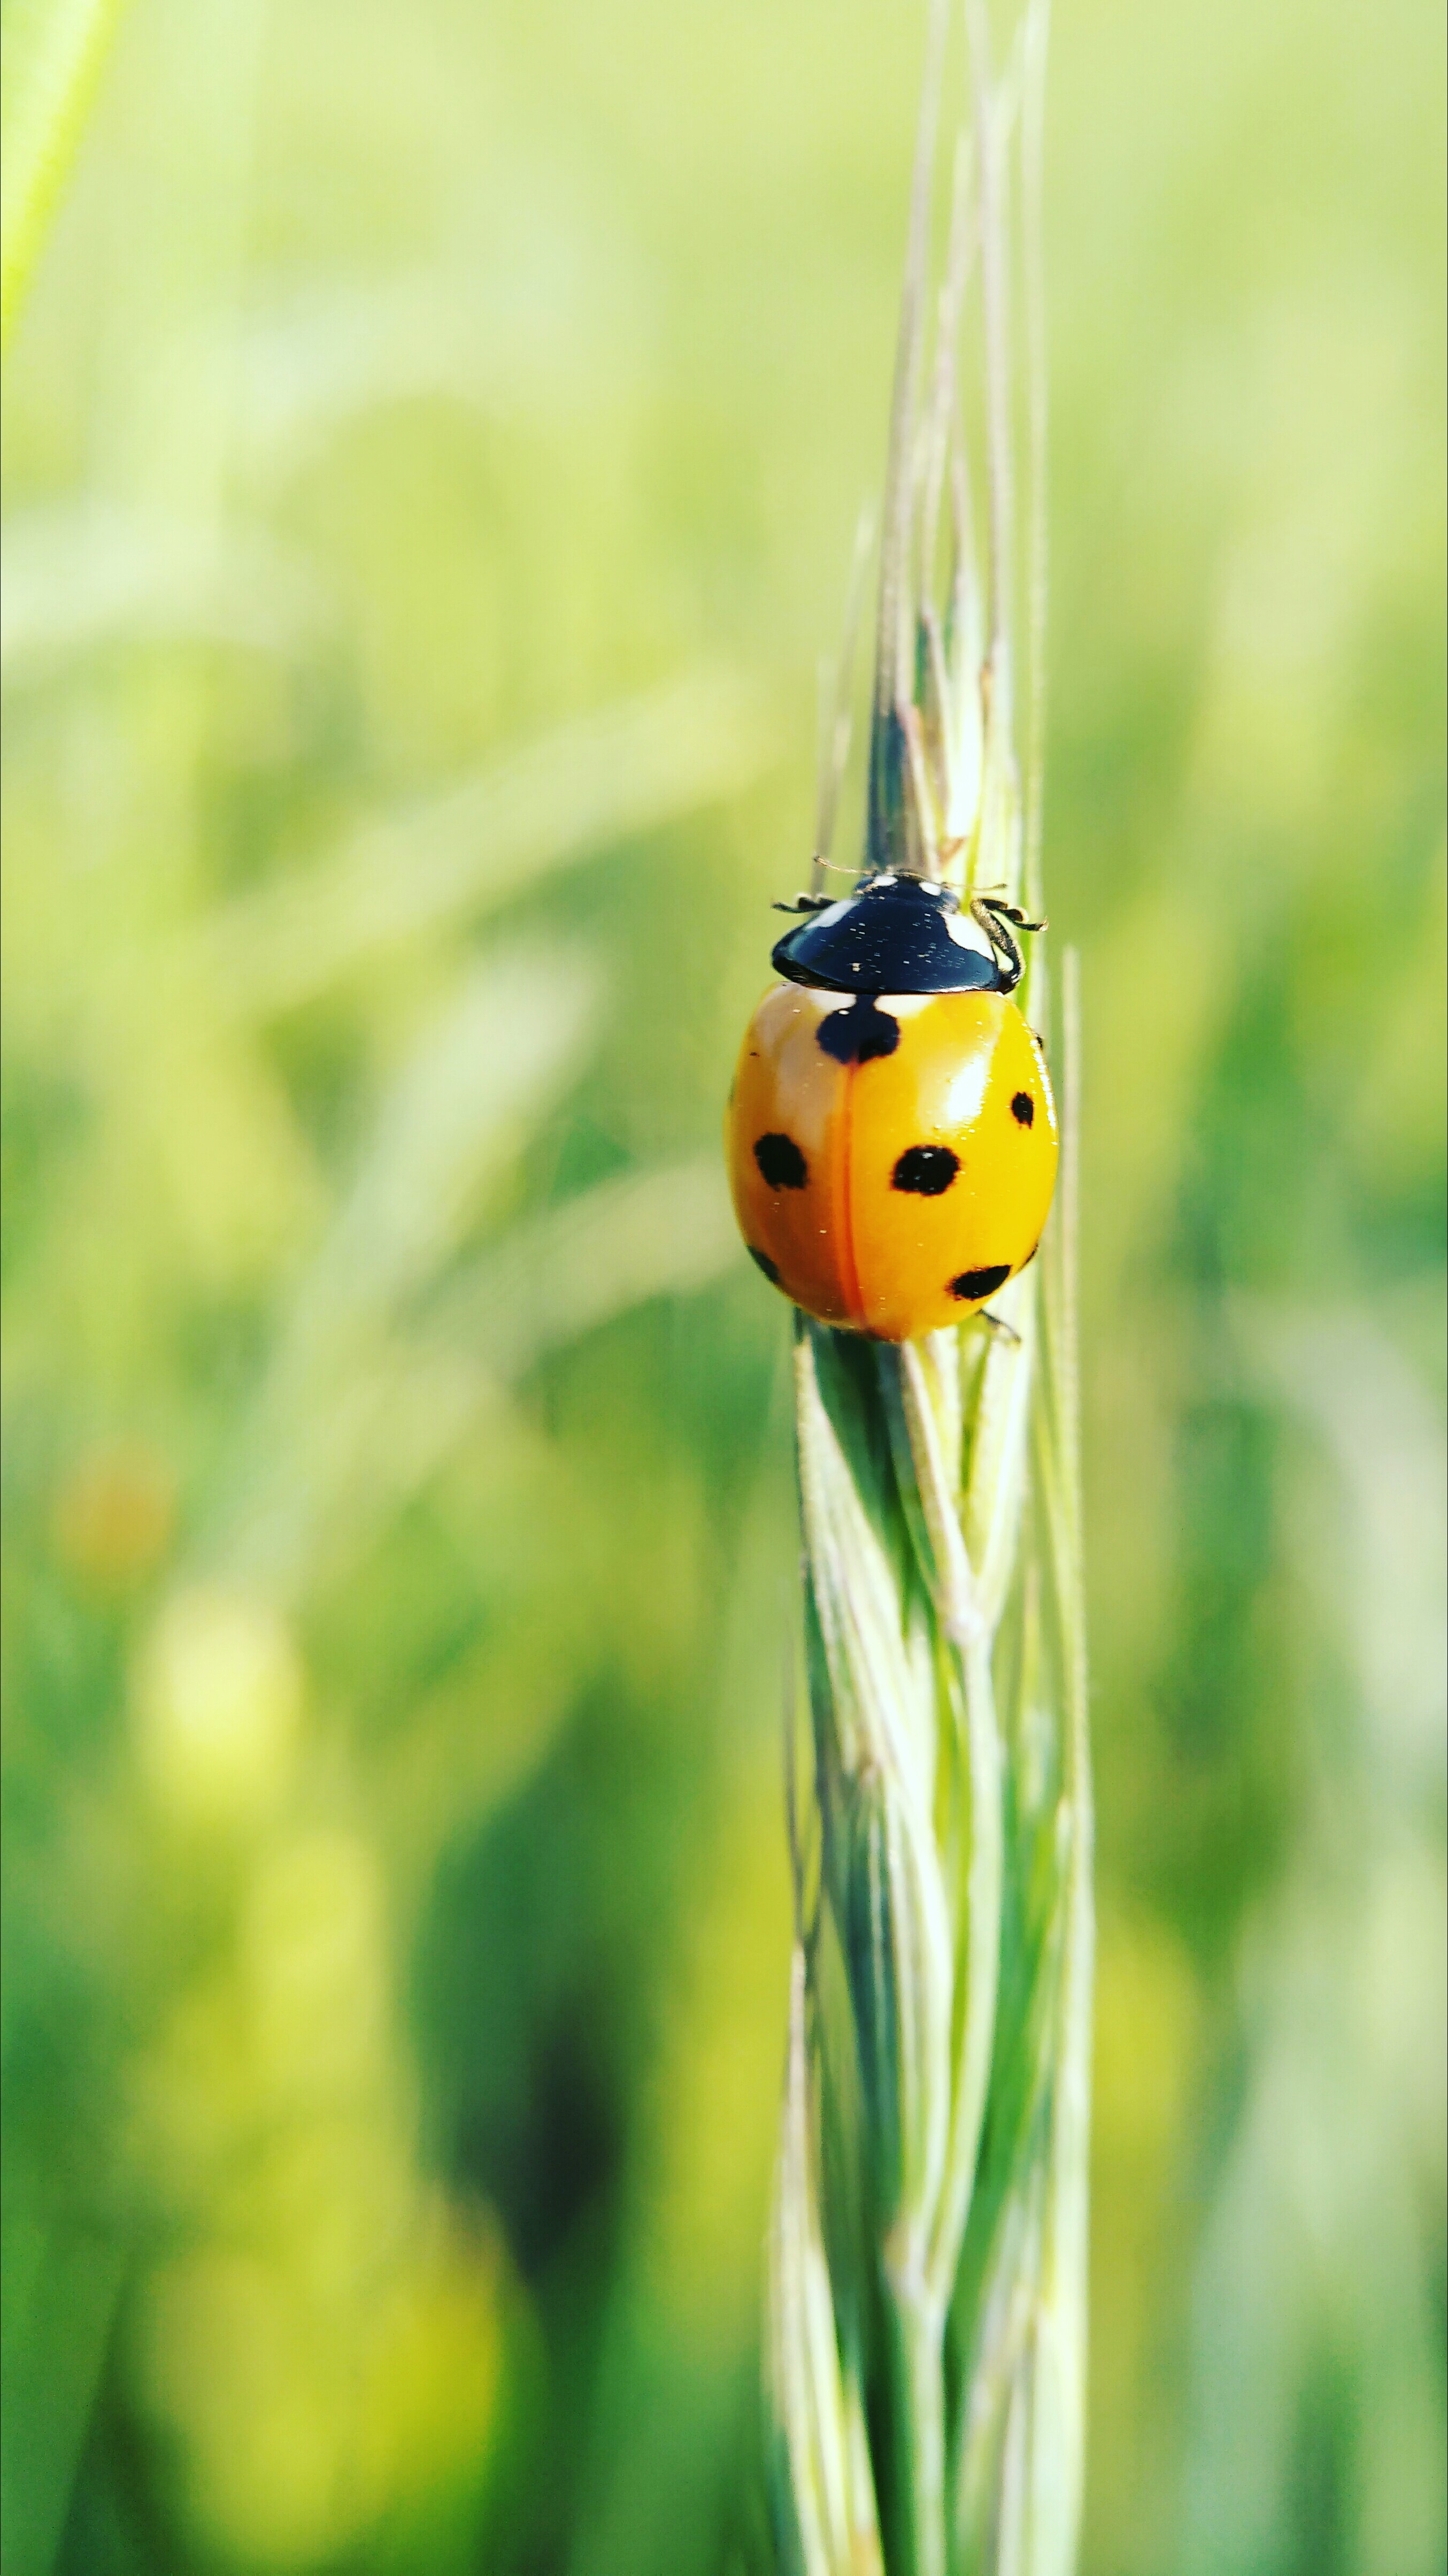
[(849, 1275)]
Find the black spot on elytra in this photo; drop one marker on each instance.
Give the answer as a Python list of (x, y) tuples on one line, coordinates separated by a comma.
[(928, 1170), (763, 1262), (1023, 1108), (972, 1284), (859, 1032), (781, 1162)]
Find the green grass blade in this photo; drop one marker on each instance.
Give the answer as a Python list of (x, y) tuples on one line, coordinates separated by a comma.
[(945, 2019), (53, 53)]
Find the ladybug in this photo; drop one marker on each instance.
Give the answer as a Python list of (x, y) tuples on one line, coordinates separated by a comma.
[(891, 1133)]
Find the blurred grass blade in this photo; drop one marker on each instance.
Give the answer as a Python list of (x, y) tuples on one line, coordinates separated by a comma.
[(430, 1386), (477, 844), (416, 1393), (642, 1235), (53, 51), (61, 2289), (91, 575), (489, 1060), (332, 348), (460, 1106)]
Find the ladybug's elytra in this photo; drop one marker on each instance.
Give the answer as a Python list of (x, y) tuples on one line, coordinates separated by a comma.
[(891, 1132)]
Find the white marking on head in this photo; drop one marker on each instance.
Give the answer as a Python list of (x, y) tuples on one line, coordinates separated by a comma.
[(966, 933)]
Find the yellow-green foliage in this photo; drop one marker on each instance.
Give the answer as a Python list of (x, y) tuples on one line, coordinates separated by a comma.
[(429, 439)]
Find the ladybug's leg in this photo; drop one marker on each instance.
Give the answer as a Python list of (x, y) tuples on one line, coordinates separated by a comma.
[(1000, 921), (997, 1324), (1009, 961)]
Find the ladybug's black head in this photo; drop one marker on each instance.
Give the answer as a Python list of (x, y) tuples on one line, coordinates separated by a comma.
[(902, 934)]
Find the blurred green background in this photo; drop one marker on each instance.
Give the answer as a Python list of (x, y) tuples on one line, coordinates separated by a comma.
[(433, 442)]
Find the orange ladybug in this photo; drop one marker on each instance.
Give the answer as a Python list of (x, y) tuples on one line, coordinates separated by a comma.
[(891, 1133)]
